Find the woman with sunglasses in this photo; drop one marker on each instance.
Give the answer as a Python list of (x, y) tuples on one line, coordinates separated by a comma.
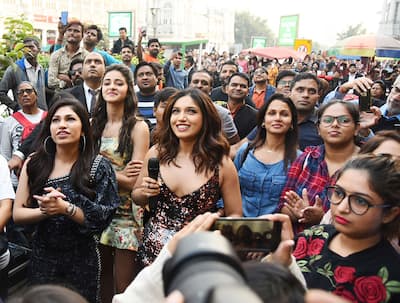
[(303, 197), (352, 257), (20, 124)]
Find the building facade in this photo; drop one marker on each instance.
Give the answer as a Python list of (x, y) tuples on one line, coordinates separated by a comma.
[(390, 22), (169, 20)]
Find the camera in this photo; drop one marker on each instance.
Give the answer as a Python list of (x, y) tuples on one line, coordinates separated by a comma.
[(205, 269)]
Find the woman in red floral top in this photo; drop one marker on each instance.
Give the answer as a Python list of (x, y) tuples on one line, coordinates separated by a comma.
[(352, 257)]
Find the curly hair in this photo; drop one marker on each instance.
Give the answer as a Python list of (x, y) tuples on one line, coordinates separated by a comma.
[(129, 117), (211, 145)]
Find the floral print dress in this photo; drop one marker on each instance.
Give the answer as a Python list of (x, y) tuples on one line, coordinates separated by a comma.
[(370, 276), (125, 230)]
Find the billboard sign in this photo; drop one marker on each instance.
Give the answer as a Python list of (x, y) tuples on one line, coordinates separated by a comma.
[(288, 29)]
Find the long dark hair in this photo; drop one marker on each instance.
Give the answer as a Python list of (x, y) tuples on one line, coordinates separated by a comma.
[(128, 119), (211, 145), (291, 136), (42, 161)]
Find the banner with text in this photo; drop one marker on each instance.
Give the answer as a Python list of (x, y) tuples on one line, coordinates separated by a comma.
[(288, 28)]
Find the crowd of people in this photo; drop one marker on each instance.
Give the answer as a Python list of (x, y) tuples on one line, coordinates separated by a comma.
[(235, 136)]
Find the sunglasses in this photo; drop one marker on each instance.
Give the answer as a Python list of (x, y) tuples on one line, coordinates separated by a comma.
[(74, 72), (26, 90)]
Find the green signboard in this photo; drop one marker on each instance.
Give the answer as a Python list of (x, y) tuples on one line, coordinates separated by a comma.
[(288, 29), (117, 20), (258, 42)]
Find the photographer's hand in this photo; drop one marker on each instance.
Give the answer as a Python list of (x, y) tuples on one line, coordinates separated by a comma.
[(200, 223), (175, 297), (283, 254)]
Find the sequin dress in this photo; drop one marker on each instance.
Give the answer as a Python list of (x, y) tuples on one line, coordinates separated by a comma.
[(65, 252), (126, 228), (173, 212)]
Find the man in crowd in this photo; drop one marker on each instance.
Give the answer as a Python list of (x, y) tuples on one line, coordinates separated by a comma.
[(61, 59), (283, 81), (261, 91), (91, 37), (146, 80), (26, 69), (243, 114), (203, 81), (75, 71), (123, 40), (92, 74), (174, 75), (126, 56), (153, 46), (189, 67), (219, 93)]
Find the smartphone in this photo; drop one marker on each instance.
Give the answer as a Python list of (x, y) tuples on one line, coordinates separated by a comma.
[(143, 30), (364, 101), (250, 234), (64, 17)]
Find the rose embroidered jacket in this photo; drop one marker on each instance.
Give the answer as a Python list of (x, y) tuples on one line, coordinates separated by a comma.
[(370, 276)]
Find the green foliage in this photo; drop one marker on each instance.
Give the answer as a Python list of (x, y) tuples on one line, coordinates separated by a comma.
[(352, 31), (11, 46), (247, 25)]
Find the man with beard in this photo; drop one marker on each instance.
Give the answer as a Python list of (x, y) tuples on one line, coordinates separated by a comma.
[(75, 71), (146, 80), (153, 46), (261, 90), (26, 69), (219, 93), (61, 59), (92, 74), (391, 110), (92, 36), (126, 56)]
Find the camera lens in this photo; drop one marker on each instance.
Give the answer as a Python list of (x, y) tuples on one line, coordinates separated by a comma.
[(203, 265)]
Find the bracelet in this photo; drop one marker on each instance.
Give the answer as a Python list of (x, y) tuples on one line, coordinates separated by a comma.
[(71, 210)]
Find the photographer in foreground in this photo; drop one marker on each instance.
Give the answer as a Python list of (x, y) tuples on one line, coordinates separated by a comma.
[(148, 285)]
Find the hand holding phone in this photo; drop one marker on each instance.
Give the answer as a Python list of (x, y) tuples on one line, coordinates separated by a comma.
[(250, 234)]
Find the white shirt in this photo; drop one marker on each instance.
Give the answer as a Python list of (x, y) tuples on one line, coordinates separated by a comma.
[(32, 72), (6, 188)]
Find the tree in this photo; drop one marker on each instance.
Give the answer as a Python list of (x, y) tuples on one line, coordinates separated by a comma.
[(11, 46), (352, 31), (247, 25)]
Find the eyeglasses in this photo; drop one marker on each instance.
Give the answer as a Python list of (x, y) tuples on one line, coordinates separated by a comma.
[(357, 204), (25, 90), (341, 120), (74, 72), (284, 83)]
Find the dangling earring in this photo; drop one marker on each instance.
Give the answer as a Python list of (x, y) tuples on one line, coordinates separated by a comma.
[(46, 141), (83, 144)]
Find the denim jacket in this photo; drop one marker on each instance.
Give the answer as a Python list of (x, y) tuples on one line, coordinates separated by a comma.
[(260, 184)]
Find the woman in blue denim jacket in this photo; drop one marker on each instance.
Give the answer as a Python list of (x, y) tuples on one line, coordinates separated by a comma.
[(262, 164)]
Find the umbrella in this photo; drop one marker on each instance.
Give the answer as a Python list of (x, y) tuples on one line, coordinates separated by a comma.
[(274, 52), (369, 46)]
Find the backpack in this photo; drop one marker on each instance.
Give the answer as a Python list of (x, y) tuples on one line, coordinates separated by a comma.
[(26, 124)]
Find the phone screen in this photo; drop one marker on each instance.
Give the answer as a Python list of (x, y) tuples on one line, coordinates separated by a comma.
[(365, 101), (250, 234), (64, 17)]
